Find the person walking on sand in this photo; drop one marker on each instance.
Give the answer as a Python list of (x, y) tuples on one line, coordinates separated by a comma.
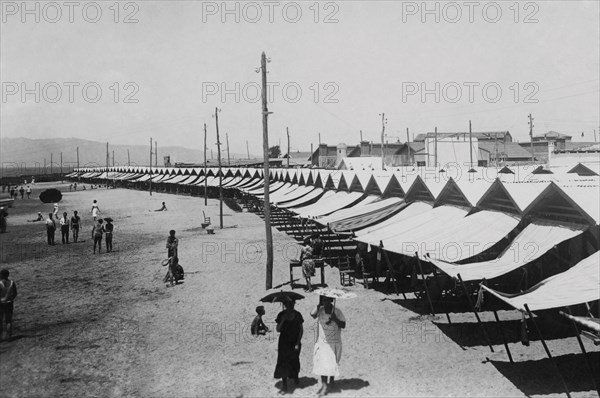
[(55, 211), (172, 244), (75, 224), (22, 192), (50, 228), (97, 232), (328, 346), (289, 325), (28, 191), (64, 228), (95, 210), (108, 229), (8, 293)]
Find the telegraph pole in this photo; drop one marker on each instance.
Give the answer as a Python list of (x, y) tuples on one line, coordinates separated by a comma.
[(51, 155), (288, 148), (360, 135), (247, 149), (471, 145), (155, 154), (267, 202), (113, 158), (61, 170), (408, 145), (227, 139), (383, 122), (435, 160), (150, 166), (220, 172), (78, 163), (531, 136), (205, 182), (128, 159), (107, 159)]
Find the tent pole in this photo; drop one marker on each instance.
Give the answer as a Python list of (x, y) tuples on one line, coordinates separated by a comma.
[(437, 281), (585, 355), (503, 338), (425, 283), (388, 264), (487, 337), (547, 350)]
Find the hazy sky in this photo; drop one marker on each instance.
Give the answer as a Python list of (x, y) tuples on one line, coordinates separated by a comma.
[(371, 57)]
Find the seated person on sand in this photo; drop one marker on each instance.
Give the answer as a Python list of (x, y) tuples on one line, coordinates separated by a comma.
[(163, 208), (210, 230), (258, 327), (39, 218)]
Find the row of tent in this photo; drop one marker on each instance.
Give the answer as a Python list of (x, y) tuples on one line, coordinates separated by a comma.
[(452, 222)]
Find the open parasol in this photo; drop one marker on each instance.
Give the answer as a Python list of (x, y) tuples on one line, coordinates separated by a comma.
[(335, 293), (281, 297)]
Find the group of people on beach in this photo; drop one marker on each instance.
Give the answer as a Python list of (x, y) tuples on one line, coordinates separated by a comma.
[(327, 351), (101, 228), (16, 190)]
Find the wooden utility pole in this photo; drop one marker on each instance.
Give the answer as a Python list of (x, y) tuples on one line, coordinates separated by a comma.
[(531, 136), (107, 160), (113, 158), (471, 145), (227, 139), (267, 202), (155, 154), (44, 165), (128, 159), (61, 170), (435, 160), (319, 139), (383, 121), (78, 163), (220, 173), (287, 130), (150, 166), (247, 149), (408, 145), (205, 182), (360, 135), (51, 156)]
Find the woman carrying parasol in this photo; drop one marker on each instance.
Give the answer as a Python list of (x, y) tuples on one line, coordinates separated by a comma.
[(328, 347), (289, 325)]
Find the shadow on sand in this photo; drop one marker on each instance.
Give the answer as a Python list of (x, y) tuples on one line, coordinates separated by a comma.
[(547, 381)]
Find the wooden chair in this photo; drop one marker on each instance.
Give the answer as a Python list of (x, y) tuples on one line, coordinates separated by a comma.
[(366, 275), (206, 221), (347, 273)]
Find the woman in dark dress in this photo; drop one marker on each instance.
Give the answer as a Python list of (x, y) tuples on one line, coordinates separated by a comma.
[(289, 325)]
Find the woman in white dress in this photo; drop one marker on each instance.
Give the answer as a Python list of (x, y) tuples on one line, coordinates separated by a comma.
[(328, 347)]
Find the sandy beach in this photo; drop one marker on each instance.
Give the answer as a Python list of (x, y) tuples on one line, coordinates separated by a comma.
[(106, 325)]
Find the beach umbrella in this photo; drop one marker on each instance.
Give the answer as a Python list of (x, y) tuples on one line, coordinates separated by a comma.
[(335, 293), (281, 297)]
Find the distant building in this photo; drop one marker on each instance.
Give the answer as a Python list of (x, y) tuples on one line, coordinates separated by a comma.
[(500, 136), (549, 142), (297, 159)]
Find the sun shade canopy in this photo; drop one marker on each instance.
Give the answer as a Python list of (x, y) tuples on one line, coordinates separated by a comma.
[(577, 285), (534, 241)]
